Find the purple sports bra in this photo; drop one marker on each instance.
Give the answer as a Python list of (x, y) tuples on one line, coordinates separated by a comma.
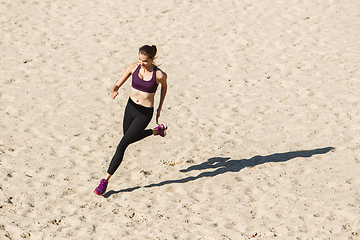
[(142, 85)]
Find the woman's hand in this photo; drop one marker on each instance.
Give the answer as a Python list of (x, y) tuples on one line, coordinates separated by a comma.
[(114, 91), (114, 94)]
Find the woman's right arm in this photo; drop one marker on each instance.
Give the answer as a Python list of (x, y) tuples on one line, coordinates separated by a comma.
[(126, 74)]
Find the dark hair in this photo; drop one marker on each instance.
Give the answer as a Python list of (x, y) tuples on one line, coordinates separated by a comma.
[(148, 51)]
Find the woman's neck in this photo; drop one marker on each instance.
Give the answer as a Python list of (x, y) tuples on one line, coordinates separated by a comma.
[(150, 69)]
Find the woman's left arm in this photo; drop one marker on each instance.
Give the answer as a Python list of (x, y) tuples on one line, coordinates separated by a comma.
[(163, 80)]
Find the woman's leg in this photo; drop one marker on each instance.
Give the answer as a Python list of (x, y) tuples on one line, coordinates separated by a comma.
[(136, 119)]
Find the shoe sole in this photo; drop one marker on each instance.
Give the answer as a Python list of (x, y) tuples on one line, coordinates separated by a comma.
[(165, 128), (98, 193)]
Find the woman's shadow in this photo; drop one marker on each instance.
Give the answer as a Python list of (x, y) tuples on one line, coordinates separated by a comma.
[(224, 165)]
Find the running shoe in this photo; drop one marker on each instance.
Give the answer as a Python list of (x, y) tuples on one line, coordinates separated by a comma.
[(161, 130), (101, 189)]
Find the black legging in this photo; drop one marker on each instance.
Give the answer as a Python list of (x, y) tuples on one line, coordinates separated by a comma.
[(136, 119)]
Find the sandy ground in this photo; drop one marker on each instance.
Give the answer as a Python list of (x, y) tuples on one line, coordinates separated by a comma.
[(262, 108)]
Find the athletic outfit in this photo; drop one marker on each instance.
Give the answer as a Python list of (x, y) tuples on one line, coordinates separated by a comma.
[(136, 119)]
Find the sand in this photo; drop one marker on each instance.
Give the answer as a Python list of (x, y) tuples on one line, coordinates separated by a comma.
[(262, 108)]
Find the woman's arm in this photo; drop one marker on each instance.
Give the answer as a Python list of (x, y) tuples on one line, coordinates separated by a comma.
[(126, 74), (163, 80)]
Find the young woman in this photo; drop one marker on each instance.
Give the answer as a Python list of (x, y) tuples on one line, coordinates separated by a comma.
[(140, 107)]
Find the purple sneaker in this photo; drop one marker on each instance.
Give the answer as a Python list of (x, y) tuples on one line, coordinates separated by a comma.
[(161, 130), (101, 189)]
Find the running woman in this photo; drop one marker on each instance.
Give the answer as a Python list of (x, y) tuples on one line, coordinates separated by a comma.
[(140, 106)]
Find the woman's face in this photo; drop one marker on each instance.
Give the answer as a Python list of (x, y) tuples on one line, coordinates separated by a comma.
[(144, 61)]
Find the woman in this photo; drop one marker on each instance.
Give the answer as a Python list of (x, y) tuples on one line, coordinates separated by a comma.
[(140, 107)]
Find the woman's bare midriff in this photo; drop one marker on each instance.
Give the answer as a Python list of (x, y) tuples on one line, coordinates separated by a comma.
[(142, 98)]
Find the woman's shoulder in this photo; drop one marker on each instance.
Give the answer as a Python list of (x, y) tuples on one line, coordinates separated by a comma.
[(132, 67), (160, 74)]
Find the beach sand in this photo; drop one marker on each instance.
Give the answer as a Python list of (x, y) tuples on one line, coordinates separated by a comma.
[(262, 108)]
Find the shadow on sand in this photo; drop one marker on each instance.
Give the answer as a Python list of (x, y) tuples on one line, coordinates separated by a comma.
[(223, 165)]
